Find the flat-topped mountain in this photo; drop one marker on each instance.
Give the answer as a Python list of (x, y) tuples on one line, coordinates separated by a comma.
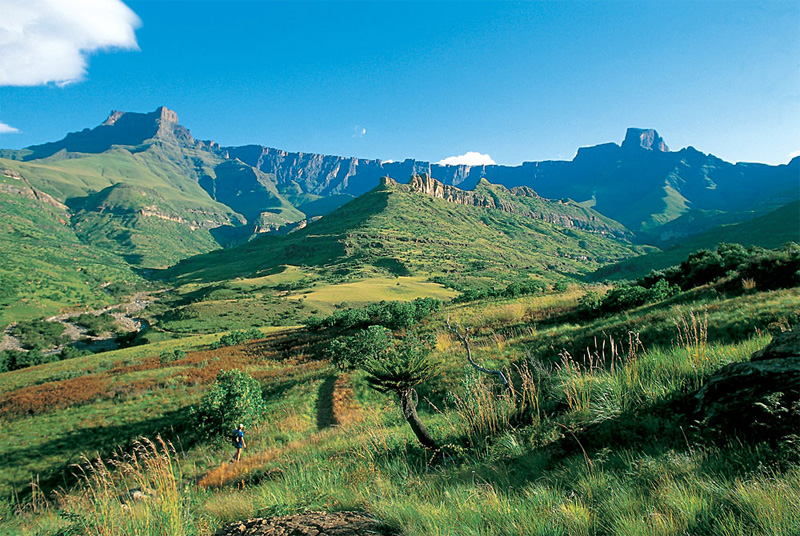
[(120, 128)]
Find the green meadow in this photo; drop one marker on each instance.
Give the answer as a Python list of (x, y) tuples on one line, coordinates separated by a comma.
[(597, 436)]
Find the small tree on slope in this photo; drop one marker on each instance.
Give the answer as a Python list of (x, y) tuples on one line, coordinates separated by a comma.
[(235, 398), (397, 366)]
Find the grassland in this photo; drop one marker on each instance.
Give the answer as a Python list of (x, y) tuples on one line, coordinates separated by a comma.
[(372, 290), (598, 450)]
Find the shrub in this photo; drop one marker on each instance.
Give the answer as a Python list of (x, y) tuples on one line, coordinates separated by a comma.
[(70, 352), (96, 324), (237, 337), (350, 352), (590, 301), (175, 355), (513, 290), (391, 314), (19, 359), (767, 269), (39, 334), (234, 398)]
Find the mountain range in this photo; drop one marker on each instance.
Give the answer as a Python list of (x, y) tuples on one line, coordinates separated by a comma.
[(139, 192)]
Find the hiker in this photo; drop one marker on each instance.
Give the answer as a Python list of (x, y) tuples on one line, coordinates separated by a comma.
[(238, 442)]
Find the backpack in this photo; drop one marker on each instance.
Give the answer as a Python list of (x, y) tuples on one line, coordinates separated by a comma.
[(235, 438)]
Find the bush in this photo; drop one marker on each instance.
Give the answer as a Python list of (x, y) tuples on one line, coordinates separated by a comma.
[(175, 355), (70, 352), (237, 337), (96, 324), (234, 398), (391, 314), (39, 334), (19, 359), (513, 290), (349, 352), (768, 269)]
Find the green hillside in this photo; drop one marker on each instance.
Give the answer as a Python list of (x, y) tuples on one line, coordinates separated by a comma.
[(391, 231), (44, 266), (771, 230), (597, 437)]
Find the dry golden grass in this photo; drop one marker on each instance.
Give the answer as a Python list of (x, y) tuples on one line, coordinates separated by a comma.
[(345, 408)]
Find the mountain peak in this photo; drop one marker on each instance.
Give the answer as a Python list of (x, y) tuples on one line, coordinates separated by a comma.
[(161, 114), (644, 138), (121, 128)]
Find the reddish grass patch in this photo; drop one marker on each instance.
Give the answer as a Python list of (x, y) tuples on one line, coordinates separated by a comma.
[(37, 399)]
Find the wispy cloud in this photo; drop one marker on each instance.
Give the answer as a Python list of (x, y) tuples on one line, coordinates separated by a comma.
[(7, 129), (359, 131), (44, 41), (471, 158)]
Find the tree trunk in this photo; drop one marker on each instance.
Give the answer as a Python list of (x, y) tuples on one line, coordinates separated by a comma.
[(410, 413)]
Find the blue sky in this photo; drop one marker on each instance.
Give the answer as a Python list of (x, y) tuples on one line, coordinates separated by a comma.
[(392, 80)]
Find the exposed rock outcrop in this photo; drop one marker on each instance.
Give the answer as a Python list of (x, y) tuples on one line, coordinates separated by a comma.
[(644, 138), (759, 398), (120, 128), (519, 200), (25, 189), (309, 524)]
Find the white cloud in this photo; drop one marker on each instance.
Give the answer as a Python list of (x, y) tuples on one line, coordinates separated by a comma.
[(7, 129), (359, 131), (471, 158), (794, 154), (43, 41)]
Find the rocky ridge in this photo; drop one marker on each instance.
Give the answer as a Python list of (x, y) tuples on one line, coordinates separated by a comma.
[(564, 213)]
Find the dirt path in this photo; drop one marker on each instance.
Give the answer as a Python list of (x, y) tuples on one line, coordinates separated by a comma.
[(309, 524), (336, 406)]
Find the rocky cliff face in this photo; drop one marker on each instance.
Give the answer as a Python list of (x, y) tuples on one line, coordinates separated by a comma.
[(120, 128), (640, 183), (519, 200), (647, 139)]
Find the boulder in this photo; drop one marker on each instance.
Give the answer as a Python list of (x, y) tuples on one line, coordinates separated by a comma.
[(309, 524), (758, 399)]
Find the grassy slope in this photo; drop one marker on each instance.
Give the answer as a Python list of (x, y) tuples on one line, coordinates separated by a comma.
[(391, 231), (45, 267), (380, 246), (771, 230), (55, 257), (640, 474)]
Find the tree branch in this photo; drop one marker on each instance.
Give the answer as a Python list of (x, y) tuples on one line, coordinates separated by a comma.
[(465, 342)]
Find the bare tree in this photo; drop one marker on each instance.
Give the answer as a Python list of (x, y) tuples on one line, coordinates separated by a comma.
[(465, 341)]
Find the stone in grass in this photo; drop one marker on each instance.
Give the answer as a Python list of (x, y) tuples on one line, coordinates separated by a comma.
[(759, 399), (309, 524)]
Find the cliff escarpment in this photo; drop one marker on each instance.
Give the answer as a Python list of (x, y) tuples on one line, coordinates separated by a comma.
[(520, 200)]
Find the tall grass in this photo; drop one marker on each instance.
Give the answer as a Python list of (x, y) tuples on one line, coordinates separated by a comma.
[(138, 493), (487, 410)]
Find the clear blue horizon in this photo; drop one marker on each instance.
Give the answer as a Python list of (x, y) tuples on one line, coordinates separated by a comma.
[(518, 81)]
